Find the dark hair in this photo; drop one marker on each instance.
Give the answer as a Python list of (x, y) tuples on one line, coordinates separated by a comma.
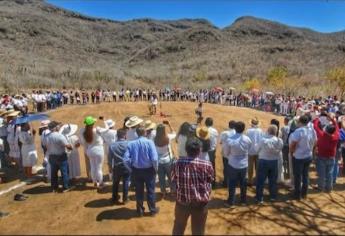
[(193, 147), (184, 129), (240, 127), (232, 124), (121, 133), (277, 123), (141, 131), (161, 138), (304, 120), (209, 122), (88, 133), (330, 129), (125, 120)]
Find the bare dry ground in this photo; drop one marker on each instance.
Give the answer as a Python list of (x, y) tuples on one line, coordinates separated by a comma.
[(84, 211)]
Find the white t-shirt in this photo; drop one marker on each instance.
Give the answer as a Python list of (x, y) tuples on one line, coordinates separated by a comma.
[(306, 139)]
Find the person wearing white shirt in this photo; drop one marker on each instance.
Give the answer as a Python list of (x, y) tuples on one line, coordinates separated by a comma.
[(213, 144), (181, 140), (223, 137), (270, 148), (302, 143), (255, 134), (237, 149)]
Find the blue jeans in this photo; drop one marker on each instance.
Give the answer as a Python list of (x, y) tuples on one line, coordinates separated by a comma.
[(325, 173), (145, 177), (125, 185), (225, 171), (164, 170), (335, 171), (55, 166), (301, 174), (2, 159), (235, 176), (267, 169)]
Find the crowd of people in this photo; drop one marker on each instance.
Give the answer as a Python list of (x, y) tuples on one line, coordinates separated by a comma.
[(138, 151)]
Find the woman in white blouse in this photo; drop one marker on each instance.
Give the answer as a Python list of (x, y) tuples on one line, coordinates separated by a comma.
[(165, 156), (181, 140), (28, 149)]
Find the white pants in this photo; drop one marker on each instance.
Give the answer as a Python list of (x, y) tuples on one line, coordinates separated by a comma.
[(96, 164)]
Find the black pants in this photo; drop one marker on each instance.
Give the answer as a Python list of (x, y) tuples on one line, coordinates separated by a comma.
[(125, 185), (198, 212), (212, 156)]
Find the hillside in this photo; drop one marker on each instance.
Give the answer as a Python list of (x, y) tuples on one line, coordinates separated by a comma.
[(41, 44)]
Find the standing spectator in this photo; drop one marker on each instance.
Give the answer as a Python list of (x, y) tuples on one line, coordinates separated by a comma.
[(132, 123), (181, 140), (327, 142), (56, 145), (28, 149), (204, 136), (302, 143), (165, 157), (120, 169), (285, 130), (270, 148), (193, 178), (237, 149), (223, 137), (255, 134), (142, 156), (213, 144)]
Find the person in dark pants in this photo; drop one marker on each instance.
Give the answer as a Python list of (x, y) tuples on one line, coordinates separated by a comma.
[(223, 137), (119, 169), (302, 144), (213, 144), (56, 145), (142, 157), (237, 149), (193, 194)]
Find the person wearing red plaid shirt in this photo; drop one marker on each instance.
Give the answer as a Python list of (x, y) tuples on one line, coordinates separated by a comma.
[(193, 177)]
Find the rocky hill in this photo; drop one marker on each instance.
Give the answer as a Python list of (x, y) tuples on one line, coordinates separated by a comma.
[(43, 45)]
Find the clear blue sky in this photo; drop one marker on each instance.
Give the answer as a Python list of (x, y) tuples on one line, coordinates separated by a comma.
[(321, 15)]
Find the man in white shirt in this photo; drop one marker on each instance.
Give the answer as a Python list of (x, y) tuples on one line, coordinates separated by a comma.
[(223, 137), (213, 144), (237, 149), (255, 134), (302, 144)]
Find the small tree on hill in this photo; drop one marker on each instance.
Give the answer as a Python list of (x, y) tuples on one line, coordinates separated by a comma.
[(337, 77), (252, 84), (277, 77)]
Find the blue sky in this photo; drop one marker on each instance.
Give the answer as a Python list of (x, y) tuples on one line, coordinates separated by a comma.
[(322, 15)]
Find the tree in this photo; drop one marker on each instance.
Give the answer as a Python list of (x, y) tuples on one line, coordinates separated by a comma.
[(252, 84), (337, 77), (277, 77)]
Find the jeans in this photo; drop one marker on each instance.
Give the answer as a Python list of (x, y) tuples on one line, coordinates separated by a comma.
[(325, 173), (252, 166), (286, 160), (235, 176), (335, 171), (301, 174), (198, 212), (55, 167), (2, 159), (125, 185), (145, 177), (164, 170), (267, 169), (212, 156), (225, 171)]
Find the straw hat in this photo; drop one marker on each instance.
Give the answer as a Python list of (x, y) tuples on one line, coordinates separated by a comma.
[(2, 112), (68, 129), (44, 123), (11, 113), (150, 125), (203, 133), (255, 121), (133, 121), (110, 123)]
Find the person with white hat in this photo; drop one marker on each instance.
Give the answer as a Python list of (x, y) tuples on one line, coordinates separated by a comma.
[(43, 131), (69, 130), (12, 137), (109, 135), (150, 128), (28, 149), (132, 123)]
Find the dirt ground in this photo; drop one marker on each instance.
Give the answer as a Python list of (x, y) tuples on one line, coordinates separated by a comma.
[(84, 211)]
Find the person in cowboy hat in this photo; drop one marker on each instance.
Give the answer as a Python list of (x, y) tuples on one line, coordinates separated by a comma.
[(203, 134), (150, 128), (69, 130), (132, 123)]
